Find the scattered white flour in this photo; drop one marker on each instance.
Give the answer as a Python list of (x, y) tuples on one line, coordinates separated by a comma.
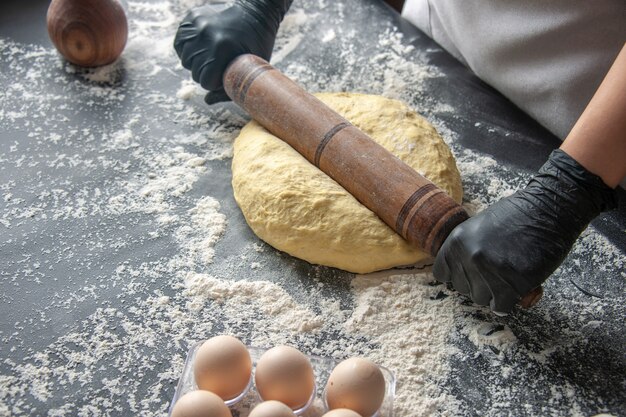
[(286, 49), (206, 227), (290, 34), (407, 305), (329, 36), (268, 299), (188, 89), (388, 73), (116, 216)]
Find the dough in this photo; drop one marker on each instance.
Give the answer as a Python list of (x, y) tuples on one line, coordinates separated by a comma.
[(295, 207)]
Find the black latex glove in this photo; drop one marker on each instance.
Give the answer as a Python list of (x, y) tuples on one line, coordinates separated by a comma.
[(509, 249), (206, 41)]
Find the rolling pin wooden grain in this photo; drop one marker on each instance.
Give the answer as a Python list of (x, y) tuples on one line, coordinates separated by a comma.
[(406, 201)]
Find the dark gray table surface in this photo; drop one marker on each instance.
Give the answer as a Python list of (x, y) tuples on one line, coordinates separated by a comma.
[(58, 272)]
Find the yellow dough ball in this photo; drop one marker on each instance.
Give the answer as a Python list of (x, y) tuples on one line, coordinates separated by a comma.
[(292, 205)]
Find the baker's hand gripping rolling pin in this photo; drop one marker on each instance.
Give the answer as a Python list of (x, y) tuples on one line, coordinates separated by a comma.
[(217, 47)]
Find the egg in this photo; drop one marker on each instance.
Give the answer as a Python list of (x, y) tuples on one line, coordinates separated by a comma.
[(271, 409), (200, 404), (285, 374), (223, 366), (357, 384), (341, 412)]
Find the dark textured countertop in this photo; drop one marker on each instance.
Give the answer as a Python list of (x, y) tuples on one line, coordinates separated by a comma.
[(94, 248)]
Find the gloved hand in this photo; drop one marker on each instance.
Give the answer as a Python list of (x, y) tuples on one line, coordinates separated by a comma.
[(206, 42), (510, 248)]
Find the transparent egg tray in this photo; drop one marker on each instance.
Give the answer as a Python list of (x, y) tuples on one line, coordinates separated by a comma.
[(247, 400)]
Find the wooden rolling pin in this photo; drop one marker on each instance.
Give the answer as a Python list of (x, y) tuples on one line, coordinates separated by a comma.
[(409, 203)]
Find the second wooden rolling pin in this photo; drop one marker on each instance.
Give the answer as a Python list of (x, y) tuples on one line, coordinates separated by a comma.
[(409, 203)]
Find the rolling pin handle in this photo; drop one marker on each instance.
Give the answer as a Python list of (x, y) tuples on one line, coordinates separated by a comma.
[(532, 298)]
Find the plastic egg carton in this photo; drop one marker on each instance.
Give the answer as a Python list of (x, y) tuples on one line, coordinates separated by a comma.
[(322, 367)]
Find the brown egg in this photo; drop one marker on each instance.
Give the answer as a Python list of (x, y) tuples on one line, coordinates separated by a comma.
[(342, 412), (89, 33), (223, 366), (357, 384), (200, 404), (271, 409), (285, 374)]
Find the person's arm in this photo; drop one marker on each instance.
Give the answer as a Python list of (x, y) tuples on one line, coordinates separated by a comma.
[(598, 139), (206, 41), (512, 247)]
